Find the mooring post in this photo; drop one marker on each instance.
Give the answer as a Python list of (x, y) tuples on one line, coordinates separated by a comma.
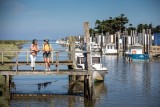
[(7, 82), (52, 56), (85, 87), (16, 61), (149, 41), (88, 83), (117, 42), (72, 81), (72, 50), (144, 43), (71, 54), (2, 57), (57, 61), (27, 56)]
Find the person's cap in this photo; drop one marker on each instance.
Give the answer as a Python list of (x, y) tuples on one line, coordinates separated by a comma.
[(46, 40)]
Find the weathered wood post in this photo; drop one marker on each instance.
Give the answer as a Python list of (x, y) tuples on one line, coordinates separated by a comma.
[(57, 61), (131, 37), (149, 41), (52, 56), (88, 83), (117, 42), (17, 61), (2, 58), (144, 43), (71, 55), (7, 83), (27, 56)]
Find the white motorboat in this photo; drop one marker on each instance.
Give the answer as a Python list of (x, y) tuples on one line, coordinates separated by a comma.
[(95, 48), (98, 70), (110, 49)]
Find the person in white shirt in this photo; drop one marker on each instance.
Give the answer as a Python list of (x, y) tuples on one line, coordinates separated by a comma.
[(34, 50)]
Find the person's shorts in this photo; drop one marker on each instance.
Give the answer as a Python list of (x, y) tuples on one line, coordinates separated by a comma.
[(46, 54)]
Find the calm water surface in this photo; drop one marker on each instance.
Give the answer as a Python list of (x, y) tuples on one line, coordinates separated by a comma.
[(135, 84)]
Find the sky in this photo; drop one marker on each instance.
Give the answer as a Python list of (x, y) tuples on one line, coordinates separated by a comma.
[(55, 19)]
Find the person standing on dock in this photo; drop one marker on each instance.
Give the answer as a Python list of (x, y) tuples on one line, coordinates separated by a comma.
[(47, 48), (34, 50)]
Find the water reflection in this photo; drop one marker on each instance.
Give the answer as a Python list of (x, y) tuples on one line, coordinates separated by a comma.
[(43, 85), (100, 90), (146, 78)]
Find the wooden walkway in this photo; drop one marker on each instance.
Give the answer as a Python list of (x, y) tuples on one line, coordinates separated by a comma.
[(42, 72)]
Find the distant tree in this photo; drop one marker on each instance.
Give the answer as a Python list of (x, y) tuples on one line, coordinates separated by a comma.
[(140, 27), (130, 28), (156, 29), (150, 26), (92, 32), (145, 26), (111, 25)]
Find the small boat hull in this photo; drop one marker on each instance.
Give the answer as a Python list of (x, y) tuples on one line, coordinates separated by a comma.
[(98, 76), (138, 56)]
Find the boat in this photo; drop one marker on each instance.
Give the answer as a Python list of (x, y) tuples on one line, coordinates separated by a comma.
[(57, 41), (98, 70), (95, 47), (135, 53), (110, 49)]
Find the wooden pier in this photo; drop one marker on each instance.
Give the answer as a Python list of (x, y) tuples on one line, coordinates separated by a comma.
[(71, 72)]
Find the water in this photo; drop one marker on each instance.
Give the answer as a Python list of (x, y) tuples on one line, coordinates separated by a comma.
[(135, 84)]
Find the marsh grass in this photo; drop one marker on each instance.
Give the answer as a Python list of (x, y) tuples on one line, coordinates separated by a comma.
[(8, 56)]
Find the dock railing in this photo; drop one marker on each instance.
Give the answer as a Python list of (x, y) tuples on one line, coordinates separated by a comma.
[(21, 57)]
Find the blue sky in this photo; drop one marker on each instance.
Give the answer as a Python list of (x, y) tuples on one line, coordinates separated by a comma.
[(53, 19)]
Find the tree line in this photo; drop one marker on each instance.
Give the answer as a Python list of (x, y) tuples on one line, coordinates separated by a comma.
[(113, 25)]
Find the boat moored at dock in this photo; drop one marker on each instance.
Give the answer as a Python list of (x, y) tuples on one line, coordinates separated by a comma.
[(136, 53)]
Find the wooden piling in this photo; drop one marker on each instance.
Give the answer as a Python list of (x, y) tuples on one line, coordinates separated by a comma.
[(72, 78), (72, 49), (149, 41), (88, 83), (52, 57), (72, 81), (27, 55), (2, 58), (7, 83), (144, 45), (117, 42), (16, 61), (57, 61)]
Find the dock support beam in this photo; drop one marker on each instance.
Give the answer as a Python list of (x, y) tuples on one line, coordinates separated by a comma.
[(72, 80)]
